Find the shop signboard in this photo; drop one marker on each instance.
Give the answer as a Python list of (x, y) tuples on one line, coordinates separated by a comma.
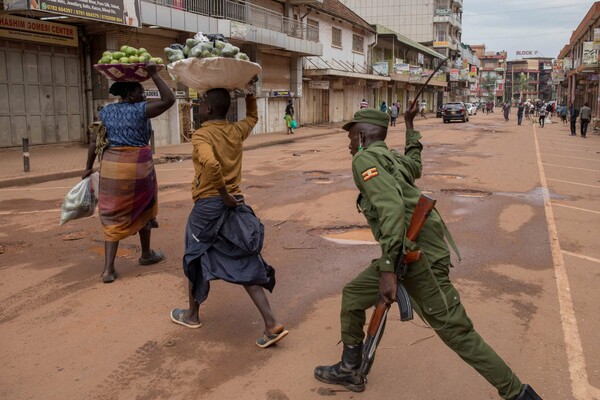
[(281, 93), (33, 30), (122, 12), (323, 85), (473, 72), (454, 74), (590, 56), (596, 38)]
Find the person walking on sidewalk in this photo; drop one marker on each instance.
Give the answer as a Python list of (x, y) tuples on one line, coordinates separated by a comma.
[(520, 111), (393, 114), (542, 115), (573, 114), (128, 198), (586, 117), (387, 197), (223, 237), (506, 109), (289, 117)]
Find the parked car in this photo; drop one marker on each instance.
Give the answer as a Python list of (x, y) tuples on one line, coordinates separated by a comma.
[(438, 112), (455, 111), (471, 108)]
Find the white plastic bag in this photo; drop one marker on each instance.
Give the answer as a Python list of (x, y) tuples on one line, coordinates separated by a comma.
[(81, 201), (204, 74)]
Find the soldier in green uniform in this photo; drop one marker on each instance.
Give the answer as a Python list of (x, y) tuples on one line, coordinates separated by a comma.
[(388, 196)]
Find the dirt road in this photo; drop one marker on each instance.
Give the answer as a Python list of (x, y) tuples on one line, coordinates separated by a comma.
[(522, 204)]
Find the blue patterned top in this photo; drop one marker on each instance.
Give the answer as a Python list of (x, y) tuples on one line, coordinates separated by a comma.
[(126, 124)]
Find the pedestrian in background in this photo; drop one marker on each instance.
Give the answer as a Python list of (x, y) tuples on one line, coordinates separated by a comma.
[(393, 114), (563, 113), (573, 114), (128, 198), (586, 117), (542, 115), (383, 107), (520, 111), (289, 117), (506, 110), (363, 104), (424, 109)]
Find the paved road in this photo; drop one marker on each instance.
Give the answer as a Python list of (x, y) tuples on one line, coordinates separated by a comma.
[(522, 203)]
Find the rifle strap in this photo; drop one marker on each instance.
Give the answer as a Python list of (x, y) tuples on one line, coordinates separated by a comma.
[(449, 238)]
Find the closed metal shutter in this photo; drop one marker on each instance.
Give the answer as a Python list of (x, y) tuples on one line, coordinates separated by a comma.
[(41, 95)]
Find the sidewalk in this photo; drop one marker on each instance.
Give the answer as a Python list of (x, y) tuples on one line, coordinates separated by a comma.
[(59, 161)]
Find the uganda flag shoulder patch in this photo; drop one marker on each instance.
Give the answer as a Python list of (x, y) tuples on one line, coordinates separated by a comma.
[(369, 173)]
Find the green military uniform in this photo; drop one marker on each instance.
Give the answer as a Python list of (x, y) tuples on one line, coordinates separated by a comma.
[(388, 196)]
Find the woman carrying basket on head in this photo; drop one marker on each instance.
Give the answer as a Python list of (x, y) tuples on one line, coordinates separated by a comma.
[(127, 199)]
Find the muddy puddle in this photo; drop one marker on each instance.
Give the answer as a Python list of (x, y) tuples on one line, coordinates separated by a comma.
[(350, 236)]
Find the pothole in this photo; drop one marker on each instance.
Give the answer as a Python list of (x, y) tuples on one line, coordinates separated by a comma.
[(320, 181), (259, 186), (316, 173), (352, 235), (466, 192), (446, 176)]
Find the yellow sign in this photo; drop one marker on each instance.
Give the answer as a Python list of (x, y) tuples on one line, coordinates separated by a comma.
[(441, 44), (33, 30), (193, 94)]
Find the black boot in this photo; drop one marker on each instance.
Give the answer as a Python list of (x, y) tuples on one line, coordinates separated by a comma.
[(346, 372), (528, 394)]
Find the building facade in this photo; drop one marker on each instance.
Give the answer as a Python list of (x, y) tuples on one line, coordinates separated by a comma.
[(491, 74), (50, 92), (577, 68), (436, 23), (530, 79)]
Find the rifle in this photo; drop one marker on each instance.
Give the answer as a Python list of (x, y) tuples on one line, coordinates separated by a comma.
[(379, 316)]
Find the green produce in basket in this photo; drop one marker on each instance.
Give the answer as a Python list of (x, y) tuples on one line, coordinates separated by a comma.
[(134, 59), (124, 60), (157, 60), (117, 55), (107, 54), (145, 57), (141, 51), (105, 59)]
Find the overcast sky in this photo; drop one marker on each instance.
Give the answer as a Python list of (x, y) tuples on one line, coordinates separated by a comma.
[(520, 25)]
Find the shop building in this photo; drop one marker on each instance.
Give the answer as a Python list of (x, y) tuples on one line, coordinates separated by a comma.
[(49, 91), (577, 69), (529, 79), (492, 74)]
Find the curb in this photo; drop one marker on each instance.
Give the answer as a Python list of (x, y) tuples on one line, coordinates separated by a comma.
[(158, 159)]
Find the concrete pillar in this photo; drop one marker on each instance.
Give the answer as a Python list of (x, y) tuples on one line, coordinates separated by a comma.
[(296, 75)]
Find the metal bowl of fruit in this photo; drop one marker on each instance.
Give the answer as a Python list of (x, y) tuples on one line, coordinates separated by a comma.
[(135, 72)]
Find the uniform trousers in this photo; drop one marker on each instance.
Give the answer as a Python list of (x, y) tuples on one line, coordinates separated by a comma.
[(449, 318)]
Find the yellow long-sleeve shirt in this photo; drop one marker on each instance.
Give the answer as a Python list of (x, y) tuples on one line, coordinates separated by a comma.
[(217, 154)]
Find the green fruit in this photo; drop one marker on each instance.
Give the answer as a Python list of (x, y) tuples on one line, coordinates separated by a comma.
[(105, 60), (141, 51), (107, 54), (115, 62), (123, 48), (117, 55), (158, 60), (145, 57), (124, 60), (134, 59), (131, 51)]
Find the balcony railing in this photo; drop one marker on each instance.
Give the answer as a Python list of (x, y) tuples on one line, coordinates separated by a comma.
[(246, 13)]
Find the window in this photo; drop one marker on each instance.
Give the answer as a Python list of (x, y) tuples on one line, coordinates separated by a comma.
[(312, 30), (358, 44), (336, 37)]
